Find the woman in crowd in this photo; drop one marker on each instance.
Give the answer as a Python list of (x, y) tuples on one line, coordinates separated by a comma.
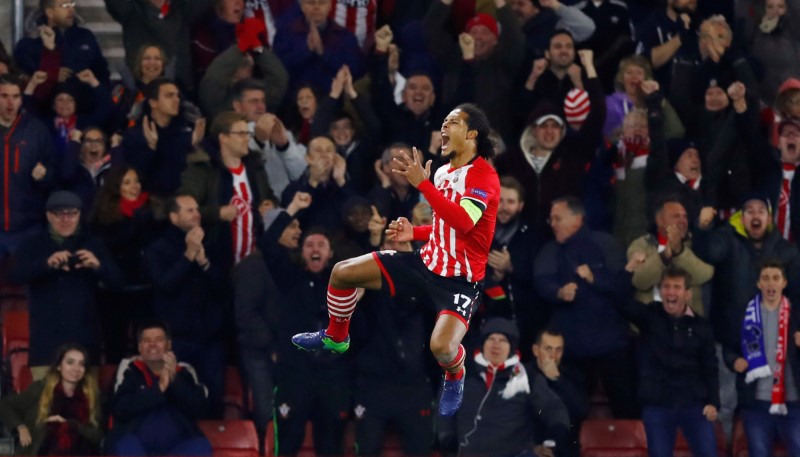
[(123, 218), (634, 70), (59, 415)]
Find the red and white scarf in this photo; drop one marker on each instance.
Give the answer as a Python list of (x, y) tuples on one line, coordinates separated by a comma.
[(693, 184), (783, 216), (632, 154)]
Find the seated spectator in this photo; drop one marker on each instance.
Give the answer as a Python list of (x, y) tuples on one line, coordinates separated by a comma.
[(313, 46), (550, 160), (159, 143), (414, 120), (629, 94), (157, 401), (283, 159), (237, 63), (503, 401), (61, 50), (487, 64), (162, 22), (123, 218), (668, 246), (768, 365), (580, 275), (678, 381), (67, 114), (87, 162), (393, 196), (540, 19), (189, 294), (61, 269), (31, 174), (565, 380), (359, 150), (325, 180), (61, 414)]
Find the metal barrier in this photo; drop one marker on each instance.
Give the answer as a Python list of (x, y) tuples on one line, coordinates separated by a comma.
[(18, 21)]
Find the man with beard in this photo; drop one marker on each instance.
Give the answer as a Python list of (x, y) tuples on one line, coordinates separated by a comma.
[(735, 250), (515, 245), (552, 77), (775, 167), (301, 394), (669, 245), (669, 35)]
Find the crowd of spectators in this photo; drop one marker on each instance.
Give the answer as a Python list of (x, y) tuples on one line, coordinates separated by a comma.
[(187, 216)]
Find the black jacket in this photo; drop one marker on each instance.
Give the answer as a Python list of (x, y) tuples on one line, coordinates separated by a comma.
[(190, 300), (137, 395), (62, 303), (678, 366)]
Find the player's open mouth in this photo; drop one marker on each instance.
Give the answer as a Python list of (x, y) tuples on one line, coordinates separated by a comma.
[(315, 257), (445, 141)]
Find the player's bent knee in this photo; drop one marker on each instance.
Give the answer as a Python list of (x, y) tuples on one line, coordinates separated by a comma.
[(443, 349)]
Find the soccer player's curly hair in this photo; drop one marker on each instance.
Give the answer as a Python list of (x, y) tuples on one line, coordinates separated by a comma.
[(476, 120)]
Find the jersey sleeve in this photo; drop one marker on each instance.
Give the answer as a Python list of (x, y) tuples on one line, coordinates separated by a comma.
[(480, 190)]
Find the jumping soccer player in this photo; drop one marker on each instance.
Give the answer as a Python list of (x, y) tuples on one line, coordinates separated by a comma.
[(449, 268)]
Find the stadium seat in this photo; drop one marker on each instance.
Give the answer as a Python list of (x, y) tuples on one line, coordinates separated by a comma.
[(105, 379), (740, 443), (231, 438), (613, 438), (233, 397), (682, 447), (16, 340)]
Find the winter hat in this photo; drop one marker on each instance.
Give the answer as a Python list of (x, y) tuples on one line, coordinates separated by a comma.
[(485, 20), (675, 149), (576, 107), (543, 112), (503, 326), (788, 87)]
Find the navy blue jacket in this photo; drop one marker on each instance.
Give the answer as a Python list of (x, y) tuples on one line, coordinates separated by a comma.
[(160, 170), (189, 299), (24, 144), (62, 303), (79, 51), (589, 323)]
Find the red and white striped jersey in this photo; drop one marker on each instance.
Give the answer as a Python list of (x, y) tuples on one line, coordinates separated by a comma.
[(357, 16), (452, 252), (242, 224)]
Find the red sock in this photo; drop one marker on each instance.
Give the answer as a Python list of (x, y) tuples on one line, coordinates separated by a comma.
[(341, 305), (454, 370)]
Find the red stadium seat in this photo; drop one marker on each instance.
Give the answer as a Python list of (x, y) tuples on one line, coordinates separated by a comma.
[(613, 438), (16, 340), (682, 447), (740, 443), (231, 438), (106, 377), (233, 397), (24, 379)]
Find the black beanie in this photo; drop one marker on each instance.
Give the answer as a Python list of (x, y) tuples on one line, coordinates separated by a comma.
[(504, 326)]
